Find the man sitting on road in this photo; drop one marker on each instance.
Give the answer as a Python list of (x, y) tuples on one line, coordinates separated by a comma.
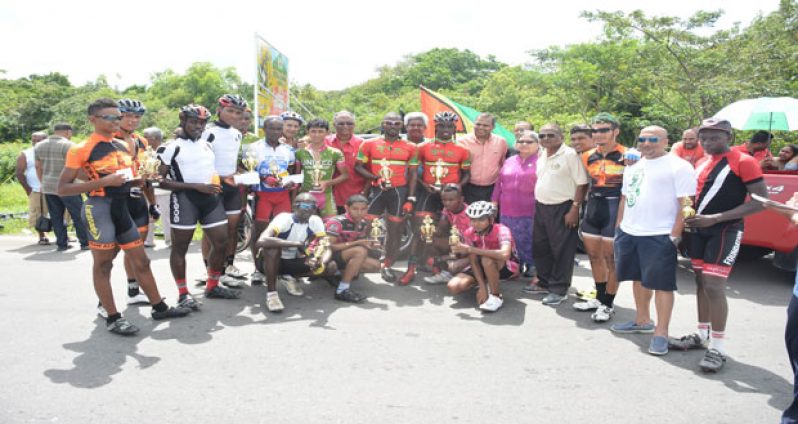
[(353, 252), (452, 215), (284, 244), (491, 252)]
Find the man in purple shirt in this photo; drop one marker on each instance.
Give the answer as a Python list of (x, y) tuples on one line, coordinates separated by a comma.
[(487, 156)]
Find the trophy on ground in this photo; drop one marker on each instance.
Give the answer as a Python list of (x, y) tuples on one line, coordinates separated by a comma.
[(427, 229)]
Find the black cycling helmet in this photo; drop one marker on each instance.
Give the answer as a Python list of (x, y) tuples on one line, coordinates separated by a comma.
[(479, 209), (233, 100), (292, 115), (195, 111), (446, 116), (130, 106)]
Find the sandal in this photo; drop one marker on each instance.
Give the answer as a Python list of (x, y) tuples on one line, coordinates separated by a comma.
[(44, 241)]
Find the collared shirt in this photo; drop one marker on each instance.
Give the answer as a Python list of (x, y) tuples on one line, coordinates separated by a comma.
[(454, 158), (558, 176), (398, 155), (52, 155), (759, 156), (515, 189), (100, 156), (486, 158), (353, 185), (691, 155)]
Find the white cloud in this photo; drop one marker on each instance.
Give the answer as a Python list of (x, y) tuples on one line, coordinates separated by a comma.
[(331, 44)]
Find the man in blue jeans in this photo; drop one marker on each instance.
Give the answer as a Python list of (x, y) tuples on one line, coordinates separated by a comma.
[(50, 154)]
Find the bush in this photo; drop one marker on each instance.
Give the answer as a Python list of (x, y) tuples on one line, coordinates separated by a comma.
[(8, 159)]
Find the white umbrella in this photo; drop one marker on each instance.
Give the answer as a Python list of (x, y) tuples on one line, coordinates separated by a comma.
[(764, 113)]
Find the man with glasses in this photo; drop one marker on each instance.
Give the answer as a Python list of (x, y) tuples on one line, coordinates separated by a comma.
[(488, 152), (725, 179), (349, 144), (688, 148), (288, 247), (109, 167), (650, 227), (389, 165), (605, 166), (561, 186)]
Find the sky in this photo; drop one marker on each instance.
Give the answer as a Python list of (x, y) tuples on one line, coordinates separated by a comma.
[(330, 44)]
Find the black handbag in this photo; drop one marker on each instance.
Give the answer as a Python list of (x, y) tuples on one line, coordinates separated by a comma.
[(43, 223)]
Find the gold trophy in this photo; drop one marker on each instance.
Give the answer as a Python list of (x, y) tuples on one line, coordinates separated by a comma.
[(385, 173), (438, 171), (687, 207), (315, 261), (427, 229), (149, 163), (454, 240), (250, 161), (315, 175), (377, 233)]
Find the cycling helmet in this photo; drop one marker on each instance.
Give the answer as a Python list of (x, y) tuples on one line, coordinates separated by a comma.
[(233, 100), (446, 116), (480, 208), (292, 115), (130, 106), (194, 111)]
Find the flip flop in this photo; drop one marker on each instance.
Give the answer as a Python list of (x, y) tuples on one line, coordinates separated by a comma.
[(44, 241)]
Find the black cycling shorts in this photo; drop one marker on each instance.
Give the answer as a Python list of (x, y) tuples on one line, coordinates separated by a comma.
[(231, 199), (109, 223), (339, 259), (429, 202), (714, 250), (137, 206), (389, 200), (599, 218), (188, 207)]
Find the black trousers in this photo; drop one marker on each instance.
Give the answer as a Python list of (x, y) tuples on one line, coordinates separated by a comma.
[(473, 193), (790, 416), (554, 247)]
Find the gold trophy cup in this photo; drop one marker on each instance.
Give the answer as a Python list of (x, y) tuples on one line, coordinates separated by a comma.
[(250, 161), (687, 207), (438, 171), (315, 261), (377, 233), (148, 166), (385, 173), (427, 229), (315, 176), (454, 240)]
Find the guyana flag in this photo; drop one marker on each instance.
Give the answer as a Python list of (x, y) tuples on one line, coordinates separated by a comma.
[(432, 103)]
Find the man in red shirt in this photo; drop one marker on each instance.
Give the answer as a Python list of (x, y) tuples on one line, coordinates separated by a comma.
[(444, 155), (389, 165), (349, 144), (688, 148), (725, 179), (758, 146)]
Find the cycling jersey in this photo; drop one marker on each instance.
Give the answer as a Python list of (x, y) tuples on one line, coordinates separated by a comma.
[(286, 227), (226, 143), (99, 156), (454, 158), (283, 156), (722, 181), (605, 170), (330, 160), (397, 154), (459, 220), (345, 229), (494, 238), (189, 161), (139, 147)]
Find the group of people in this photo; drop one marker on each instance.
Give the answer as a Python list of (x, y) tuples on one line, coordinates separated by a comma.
[(333, 206)]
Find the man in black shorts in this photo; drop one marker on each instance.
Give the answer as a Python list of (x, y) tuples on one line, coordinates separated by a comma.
[(389, 165), (187, 168), (108, 165), (725, 179), (353, 251), (288, 246)]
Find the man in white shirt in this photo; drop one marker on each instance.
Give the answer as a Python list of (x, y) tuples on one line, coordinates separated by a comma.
[(650, 226)]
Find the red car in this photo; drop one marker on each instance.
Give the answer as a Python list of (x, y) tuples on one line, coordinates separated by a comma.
[(768, 231)]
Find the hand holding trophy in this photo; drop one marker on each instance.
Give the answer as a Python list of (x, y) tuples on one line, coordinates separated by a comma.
[(148, 165), (250, 162)]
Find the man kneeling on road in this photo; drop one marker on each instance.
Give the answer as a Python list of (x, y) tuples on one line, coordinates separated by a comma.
[(288, 235), (453, 216), (491, 251), (353, 252)]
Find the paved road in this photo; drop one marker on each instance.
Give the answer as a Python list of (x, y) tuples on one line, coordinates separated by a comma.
[(411, 354)]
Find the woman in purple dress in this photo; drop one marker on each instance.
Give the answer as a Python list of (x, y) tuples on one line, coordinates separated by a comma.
[(514, 194)]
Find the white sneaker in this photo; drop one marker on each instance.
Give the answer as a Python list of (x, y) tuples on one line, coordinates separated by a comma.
[(291, 285), (139, 299), (587, 305), (230, 281), (234, 272), (102, 312), (257, 277), (602, 314), (442, 277), (492, 304), (273, 303)]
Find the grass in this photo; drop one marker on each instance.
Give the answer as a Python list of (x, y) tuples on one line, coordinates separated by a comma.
[(14, 202)]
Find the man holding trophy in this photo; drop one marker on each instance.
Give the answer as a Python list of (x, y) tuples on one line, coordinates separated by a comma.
[(318, 163), (445, 162), (389, 166)]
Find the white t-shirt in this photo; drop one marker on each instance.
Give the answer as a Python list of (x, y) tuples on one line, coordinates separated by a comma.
[(189, 161), (226, 143), (652, 188), (285, 227)]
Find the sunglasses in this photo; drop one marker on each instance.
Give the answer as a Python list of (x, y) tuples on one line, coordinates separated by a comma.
[(545, 136), (306, 206), (110, 118), (602, 130), (341, 124), (647, 139), (525, 142)]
